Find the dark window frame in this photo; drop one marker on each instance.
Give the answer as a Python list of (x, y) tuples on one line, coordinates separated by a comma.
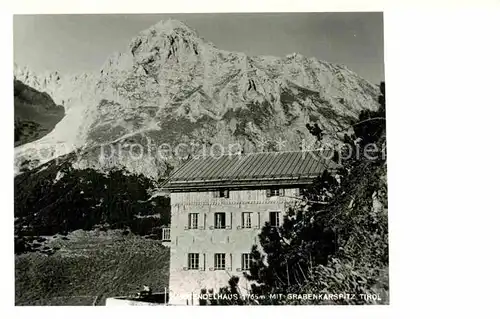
[(274, 218), (193, 261), (219, 261), (190, 220), (244, 221), (245, 261), (224, 220)]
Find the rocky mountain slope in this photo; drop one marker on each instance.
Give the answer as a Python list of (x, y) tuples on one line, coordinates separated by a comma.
[(170, 86), (35, 113)]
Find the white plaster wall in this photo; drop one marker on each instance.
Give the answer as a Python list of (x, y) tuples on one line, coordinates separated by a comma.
[(233, 241)]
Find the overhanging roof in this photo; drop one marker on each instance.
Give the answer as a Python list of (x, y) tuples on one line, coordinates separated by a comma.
[(250, 170)]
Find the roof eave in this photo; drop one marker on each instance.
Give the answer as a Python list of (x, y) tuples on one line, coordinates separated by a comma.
[(191, 186)]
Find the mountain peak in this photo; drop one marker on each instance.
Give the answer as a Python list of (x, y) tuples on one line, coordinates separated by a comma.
[(169, 26), (167, 39), (170, 85)]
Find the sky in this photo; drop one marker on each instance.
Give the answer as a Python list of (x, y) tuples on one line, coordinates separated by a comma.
[(79, 43)]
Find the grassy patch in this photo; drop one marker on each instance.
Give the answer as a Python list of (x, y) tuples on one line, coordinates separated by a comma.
[(90, 266)]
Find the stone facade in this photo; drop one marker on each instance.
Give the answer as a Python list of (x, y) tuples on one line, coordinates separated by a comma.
[(208, 236)]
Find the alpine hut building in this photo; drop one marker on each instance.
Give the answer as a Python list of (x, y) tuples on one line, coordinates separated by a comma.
[(219, 205)]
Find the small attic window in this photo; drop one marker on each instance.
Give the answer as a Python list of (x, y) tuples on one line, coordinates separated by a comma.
[(221, 193), (270, 192)]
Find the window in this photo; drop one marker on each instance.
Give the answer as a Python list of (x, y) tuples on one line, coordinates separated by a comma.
[(193, 261), (165, 234), (274, 192), (220, 261), (245, 261), (193, 221), (274, 219), (246, 220), (220, 220), (221, 193)]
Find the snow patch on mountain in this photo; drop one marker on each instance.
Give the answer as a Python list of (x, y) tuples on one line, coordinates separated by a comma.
[(172, 86)]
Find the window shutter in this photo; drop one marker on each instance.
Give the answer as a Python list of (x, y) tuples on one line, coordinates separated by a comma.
[(226, 193), (204, 225), (268, 192), (230, 223), (282, 192), (242, 222), (204, 261), (211, 265), (186, 261), (258, 220), (212, 225), (230, 262)]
